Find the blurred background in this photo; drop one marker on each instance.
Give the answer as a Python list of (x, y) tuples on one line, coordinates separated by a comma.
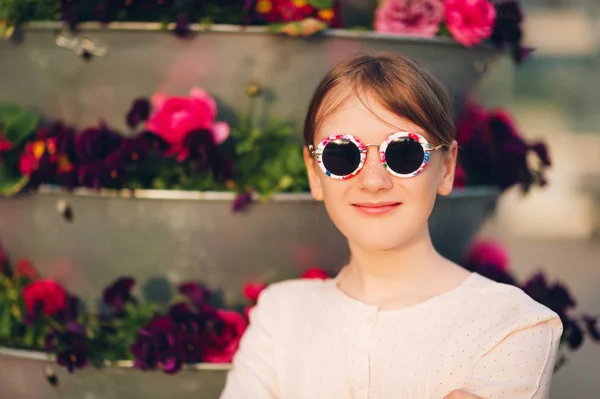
[(555, 95)]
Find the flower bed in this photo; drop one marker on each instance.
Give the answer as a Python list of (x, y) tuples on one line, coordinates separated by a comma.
[(468, 22), (38, 314)]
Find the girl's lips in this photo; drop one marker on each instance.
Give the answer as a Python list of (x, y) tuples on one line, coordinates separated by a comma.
[(376, 208)]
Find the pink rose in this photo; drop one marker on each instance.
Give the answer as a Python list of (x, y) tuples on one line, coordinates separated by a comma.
[(224, 339), (410, 17), (470, 21), (175, 117), (488, 253)]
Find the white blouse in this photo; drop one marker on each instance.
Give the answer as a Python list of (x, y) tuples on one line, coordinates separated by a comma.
[(309, 340)]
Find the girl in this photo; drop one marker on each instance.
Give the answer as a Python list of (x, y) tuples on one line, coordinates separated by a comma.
[(399, 320)]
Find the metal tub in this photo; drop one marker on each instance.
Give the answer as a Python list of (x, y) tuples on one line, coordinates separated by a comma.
[(164, 237)]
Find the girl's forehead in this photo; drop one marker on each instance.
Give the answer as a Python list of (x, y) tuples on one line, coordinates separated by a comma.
[(365, 119)]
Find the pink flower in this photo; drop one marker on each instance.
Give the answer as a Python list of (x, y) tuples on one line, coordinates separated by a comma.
[(488, 253), (175, 117), (410, 17), (315, 272), (470, 21), (253, 289), (223, 341), (25, 269)]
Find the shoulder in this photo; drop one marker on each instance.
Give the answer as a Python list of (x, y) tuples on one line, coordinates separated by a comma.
[(296, 292), (509, 306)]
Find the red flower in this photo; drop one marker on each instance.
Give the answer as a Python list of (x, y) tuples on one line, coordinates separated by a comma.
[(252, 290), (471, 119), (5, 144), (470, 21), (25, 269), (224, 337), (47, 294), (488, 253), (315, 272)]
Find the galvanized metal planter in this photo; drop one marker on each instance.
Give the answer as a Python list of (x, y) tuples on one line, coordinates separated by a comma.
[(165, 237), (27, 374)]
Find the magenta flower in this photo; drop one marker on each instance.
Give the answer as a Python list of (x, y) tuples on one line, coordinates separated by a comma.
[(410, 17), (118, 293), (488, 253), (175, 117), (224, 338), (470, 21)]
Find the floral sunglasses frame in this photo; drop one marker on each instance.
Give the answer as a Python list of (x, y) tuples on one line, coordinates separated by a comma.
[(362, 148)]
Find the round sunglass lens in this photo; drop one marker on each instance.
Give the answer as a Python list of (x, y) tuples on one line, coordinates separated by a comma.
[(404, 155), (341, 157)]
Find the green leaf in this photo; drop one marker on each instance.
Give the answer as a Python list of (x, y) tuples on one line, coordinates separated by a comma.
[(17, 124), (5, 321), (321, 4), (9, 184)]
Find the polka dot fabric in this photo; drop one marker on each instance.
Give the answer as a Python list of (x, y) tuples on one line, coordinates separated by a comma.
[(308, 340)]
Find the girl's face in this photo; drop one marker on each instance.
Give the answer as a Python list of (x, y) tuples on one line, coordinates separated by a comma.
[(374, 209)]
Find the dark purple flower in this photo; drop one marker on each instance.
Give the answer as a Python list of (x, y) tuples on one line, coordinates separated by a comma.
[(133, 150), (507, 27), (199, 146), (204, 153), (4, 269), (190, 327), (155, 142), (555, 296), (70, 346), (96, 143), (560, 299), (119, 293), (182, 27), (138, 112), (198, 295), (573, 334), (108, 173), (508, 30), (242, 200), (71, 310), (591, 325), (156, 346), (541, 149)]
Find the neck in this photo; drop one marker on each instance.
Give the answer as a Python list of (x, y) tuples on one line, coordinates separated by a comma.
[(379, 274)]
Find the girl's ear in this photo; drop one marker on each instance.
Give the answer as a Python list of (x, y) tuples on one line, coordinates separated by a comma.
[(313, 178), (448, 168)]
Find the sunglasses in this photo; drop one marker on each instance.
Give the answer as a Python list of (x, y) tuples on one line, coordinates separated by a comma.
[(403, 154)]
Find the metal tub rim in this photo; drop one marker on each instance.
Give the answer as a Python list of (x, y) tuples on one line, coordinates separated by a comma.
[(260, 30), (26, 354)]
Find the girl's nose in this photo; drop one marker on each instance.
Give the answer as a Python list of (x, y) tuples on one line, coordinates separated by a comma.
[(373, 177)]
